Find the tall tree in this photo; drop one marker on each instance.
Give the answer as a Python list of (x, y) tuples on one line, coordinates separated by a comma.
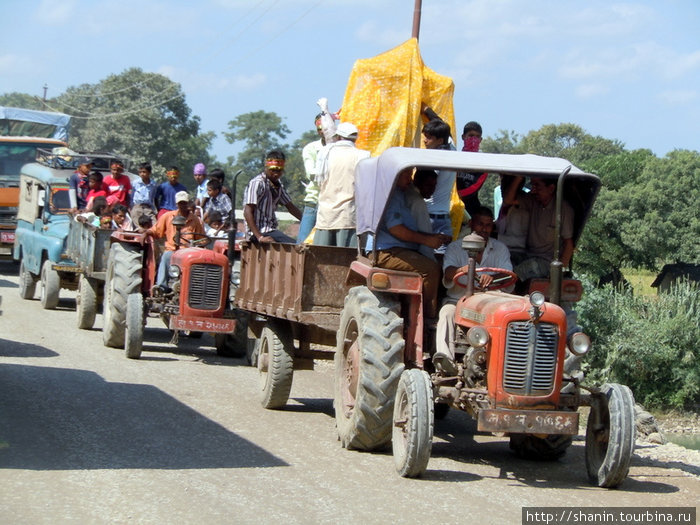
[(143, 116), (260, 131), (21, 100)]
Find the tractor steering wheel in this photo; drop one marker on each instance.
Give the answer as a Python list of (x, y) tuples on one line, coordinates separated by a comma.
[(195, 239), (502, 278)]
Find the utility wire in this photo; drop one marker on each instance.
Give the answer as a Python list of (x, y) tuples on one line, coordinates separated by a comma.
[(191, 54), (92, 116)]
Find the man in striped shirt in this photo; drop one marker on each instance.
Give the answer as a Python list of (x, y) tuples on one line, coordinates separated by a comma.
[(261, 197)]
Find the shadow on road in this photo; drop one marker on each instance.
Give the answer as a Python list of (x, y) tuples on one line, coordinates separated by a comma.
[(312, 405), (16, 349), (457, 438), (62, 419)]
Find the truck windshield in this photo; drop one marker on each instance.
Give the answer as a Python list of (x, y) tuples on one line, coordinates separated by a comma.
[(60, 201), (16, 154)]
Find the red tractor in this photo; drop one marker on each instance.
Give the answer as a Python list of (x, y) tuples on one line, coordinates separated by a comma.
[(197, 299)]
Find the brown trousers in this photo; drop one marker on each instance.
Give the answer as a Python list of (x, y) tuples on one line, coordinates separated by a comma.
[(407, 260)]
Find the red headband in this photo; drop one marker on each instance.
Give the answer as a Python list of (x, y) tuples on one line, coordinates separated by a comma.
[(274, 163)]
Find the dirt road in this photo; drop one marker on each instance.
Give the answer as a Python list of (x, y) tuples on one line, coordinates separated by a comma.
[(88, 436)]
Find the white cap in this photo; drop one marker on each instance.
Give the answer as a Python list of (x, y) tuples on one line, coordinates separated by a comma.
[(182, 196), (346, 130)]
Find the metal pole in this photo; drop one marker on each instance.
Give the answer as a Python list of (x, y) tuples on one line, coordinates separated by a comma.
[(416, 19), (46, 87)]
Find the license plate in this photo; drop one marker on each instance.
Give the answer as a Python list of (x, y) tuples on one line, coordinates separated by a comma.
[(203, 324), (7, 237), (528, 421)]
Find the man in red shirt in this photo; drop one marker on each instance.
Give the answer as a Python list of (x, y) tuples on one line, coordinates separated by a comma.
[(118, 184)]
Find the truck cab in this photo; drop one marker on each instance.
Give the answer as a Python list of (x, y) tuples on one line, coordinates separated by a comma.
[(43, 224), (22, 133)]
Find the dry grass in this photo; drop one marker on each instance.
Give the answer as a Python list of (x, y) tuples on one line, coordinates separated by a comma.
[(640, 280)]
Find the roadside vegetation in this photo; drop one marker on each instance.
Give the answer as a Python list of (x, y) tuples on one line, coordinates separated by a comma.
[(646, 215), (648, 342)]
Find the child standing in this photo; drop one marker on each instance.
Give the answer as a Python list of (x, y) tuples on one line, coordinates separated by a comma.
[(118, 184), (96, 189), (217, 201), (143, 194), (164, 197)]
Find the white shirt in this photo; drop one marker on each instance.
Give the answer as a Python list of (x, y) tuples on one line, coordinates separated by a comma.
[(496, 255)]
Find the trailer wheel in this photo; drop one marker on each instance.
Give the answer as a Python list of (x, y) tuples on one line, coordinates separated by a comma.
[(50, 285), (133, 336), (412, 434), (86, 302), (548, 448), (610, 435), (368, 365), (235, 344), (275, 365), (122, 279), (27, 282)]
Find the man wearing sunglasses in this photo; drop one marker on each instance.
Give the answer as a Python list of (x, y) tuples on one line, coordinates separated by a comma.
[(261, 197)]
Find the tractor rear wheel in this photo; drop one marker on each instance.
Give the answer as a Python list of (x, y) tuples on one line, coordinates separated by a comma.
[(548, 448), (368, 365), (122, 279)]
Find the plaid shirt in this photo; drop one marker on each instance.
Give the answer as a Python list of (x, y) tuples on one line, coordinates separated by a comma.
[(265, 196), (220, 203)]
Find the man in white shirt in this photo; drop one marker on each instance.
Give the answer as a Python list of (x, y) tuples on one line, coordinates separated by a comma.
[(335, 219), (495, 255)]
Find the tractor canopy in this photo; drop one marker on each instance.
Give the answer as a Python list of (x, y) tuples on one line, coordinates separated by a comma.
[(375, 178)]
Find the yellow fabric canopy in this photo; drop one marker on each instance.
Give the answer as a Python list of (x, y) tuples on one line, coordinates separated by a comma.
[(383, 99)]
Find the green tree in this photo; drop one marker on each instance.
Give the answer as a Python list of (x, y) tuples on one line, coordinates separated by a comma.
[(143, 116), (21, 100)]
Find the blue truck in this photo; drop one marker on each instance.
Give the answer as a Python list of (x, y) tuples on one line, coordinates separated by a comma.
[(43, 224)]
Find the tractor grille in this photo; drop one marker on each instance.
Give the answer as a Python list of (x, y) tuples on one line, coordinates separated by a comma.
[(531, 358), (205, 286)]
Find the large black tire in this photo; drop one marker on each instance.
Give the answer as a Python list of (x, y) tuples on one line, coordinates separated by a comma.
[(86, 302), (235, 344), (610, 435), (368, 365), (548, 448), (50, 286), (133, 336), (275, 365), (412, 435), (122, 279), (27, 282)]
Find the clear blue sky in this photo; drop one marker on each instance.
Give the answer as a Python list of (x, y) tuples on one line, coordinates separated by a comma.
[(622, 70)]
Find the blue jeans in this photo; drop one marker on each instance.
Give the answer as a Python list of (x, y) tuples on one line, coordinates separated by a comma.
[(163, 267), (308, 221)]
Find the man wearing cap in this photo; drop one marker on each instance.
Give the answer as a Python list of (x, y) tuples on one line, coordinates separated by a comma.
[(200, 178), (260, 199), (335, 220), (118, 185), (164, 228), (79, 182)]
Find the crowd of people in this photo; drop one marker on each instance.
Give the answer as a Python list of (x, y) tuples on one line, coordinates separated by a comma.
[(415, 235)]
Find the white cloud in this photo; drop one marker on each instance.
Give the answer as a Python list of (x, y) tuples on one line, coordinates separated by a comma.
[(52, 13)]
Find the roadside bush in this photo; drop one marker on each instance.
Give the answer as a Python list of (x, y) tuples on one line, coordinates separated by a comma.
[(649, 343)]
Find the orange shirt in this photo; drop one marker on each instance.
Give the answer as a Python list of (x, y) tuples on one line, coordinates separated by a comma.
[(164, 227)]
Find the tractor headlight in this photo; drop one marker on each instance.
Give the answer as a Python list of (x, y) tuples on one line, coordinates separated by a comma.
[(478, 336), (537, 299), (174, 271), (579, 344)]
